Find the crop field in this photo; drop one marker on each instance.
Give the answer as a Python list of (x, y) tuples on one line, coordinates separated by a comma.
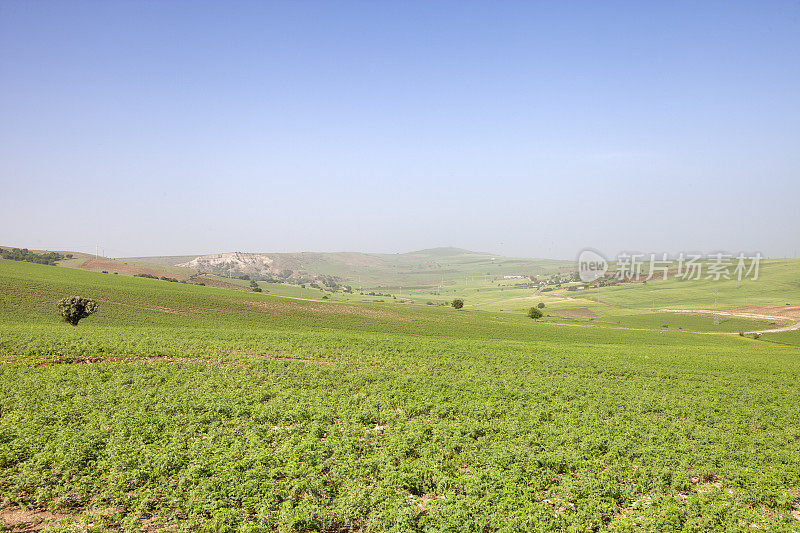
[(648, 305), (789, 338), (183, 408), (418, 270), (287, 290)]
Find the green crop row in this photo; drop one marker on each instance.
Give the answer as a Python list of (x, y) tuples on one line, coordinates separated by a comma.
[(195, 408)]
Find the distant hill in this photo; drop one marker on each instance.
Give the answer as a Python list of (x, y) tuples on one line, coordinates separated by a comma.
[(420, 268), (446, 251)]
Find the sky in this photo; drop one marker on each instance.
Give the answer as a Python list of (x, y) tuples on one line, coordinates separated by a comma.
[(530, 129)]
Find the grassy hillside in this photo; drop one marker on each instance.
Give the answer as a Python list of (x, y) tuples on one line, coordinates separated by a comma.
[(170, 260), (778, 283), (194, 408), (423, 268), (644, 305)]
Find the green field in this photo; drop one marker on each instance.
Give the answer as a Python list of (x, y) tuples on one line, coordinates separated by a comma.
[(199, 408), (417, 270), (641, 305)]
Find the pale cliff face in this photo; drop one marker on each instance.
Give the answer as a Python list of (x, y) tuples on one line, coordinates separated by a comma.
[(242, 262)]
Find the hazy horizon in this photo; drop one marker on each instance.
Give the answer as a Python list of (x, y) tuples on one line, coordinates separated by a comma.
[(517, 129)]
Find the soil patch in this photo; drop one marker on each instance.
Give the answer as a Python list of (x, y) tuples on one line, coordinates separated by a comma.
[(175, 360), (579, 312), (20, 520), (783, 311), (118, 266)]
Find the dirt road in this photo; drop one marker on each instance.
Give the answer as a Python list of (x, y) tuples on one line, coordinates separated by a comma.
[(749, 314)]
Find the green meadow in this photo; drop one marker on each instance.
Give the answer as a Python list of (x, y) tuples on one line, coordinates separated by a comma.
[(185, 408), (642, 305)]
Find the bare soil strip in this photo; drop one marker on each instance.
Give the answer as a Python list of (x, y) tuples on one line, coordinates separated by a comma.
[(755, 312), (15, 519), (170, 360), (578, 312), (119, 266)]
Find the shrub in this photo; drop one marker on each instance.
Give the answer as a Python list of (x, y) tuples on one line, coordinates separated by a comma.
[(74, 308), (534, 313), (458, 303), (23, 254), (541, 305)]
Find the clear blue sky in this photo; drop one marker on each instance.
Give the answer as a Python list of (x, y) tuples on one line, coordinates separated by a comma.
[(522, 128)]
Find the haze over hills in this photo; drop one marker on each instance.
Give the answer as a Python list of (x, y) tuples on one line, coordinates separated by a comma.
[(417, 268)]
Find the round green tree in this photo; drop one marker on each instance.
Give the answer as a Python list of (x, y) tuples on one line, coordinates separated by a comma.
[(535, 313), (74, 308), (458, 303), (541, 305)]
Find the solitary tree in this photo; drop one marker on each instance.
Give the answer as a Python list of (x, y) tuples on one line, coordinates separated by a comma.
[(535, 313), (541, 305), (74, 308), (458, 303)]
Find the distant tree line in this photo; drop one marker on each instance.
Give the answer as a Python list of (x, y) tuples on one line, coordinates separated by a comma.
[(150, 276), (23, 254)]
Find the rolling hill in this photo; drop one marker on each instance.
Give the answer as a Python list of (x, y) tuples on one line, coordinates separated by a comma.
[(418, 269), (197, 408)]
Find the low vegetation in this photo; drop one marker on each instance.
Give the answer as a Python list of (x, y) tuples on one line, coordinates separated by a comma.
[(199, 408), (23, 254), (76, 308)]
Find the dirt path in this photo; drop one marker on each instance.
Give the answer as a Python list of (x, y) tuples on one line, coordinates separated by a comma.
[(759, 316), (793, 327), (775, 313)]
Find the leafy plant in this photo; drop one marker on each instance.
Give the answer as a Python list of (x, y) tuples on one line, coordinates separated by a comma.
[(75, 308), (535, 313), (458, 303)]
